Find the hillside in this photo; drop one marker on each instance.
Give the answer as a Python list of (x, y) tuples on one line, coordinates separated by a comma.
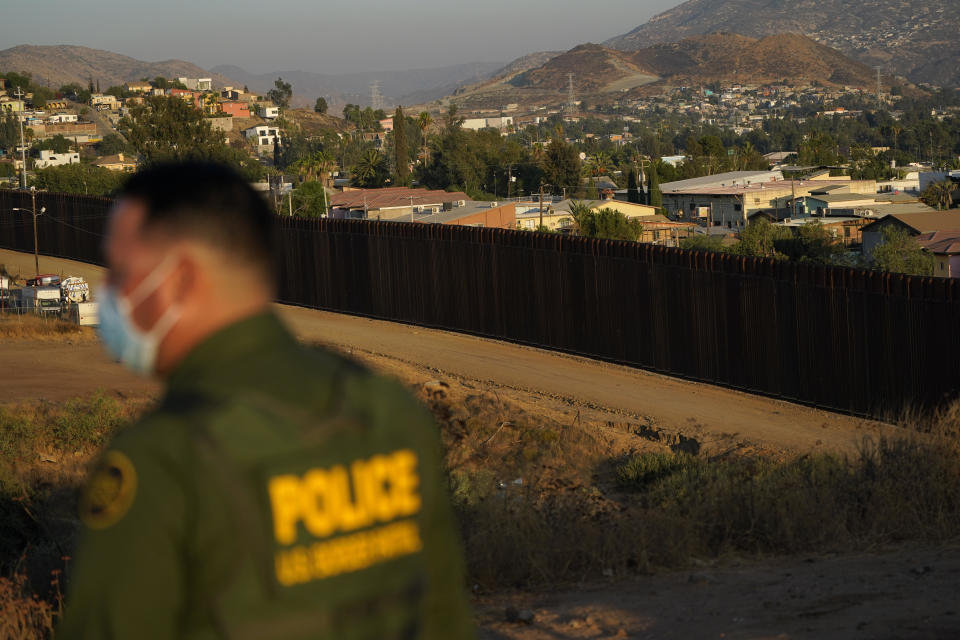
[(728, 56), (62, 64), (914, 39), (594, 68), (719, 57), (716, 57)]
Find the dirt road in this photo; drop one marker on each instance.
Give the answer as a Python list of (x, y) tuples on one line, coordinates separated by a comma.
[(907, 594), (631, 394)]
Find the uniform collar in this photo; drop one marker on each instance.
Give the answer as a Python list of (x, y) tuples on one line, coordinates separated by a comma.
[(231, 351)]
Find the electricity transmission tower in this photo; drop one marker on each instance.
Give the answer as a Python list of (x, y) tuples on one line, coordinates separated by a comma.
[(376, 100)]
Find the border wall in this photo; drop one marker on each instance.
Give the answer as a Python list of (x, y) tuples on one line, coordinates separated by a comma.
[(857, 341)]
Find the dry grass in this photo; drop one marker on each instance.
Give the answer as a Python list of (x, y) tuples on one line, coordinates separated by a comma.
[(44, 451), (581, 514), (539, 502), (34, 327)]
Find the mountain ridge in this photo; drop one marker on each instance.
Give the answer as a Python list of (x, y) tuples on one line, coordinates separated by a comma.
[(915, 40), (62, 64)]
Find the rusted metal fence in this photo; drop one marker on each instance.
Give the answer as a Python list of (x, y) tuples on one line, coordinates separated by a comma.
[(851, 340)]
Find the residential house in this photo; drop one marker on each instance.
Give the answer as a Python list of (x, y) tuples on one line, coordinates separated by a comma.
[(730, 199), (57, 118), (263, 135), (50, 158), (191, 97), (476, 124), (914, 224), (266, 110), (945, 247), (474, 214), (628, 209), (104, 101), (139, 87), (387, 124), (235, 108), (10, 105), (117, 162), (394, 203), (197, 84)]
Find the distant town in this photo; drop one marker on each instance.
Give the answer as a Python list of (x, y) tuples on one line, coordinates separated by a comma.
[(838, 175)]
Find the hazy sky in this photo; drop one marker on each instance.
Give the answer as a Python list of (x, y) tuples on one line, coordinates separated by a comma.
[(323, 37)]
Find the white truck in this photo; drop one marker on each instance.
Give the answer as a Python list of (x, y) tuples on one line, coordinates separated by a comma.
[(41, 300)]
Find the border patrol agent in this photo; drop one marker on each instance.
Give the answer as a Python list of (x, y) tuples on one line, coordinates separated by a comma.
[(277, 491)]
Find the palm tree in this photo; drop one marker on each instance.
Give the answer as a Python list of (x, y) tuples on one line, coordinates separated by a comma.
[(939, 195), (601, 163), (895, 130), (368, 169), (423, 122)]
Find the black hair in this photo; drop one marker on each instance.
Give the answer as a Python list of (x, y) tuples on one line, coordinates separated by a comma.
[(210, 203)]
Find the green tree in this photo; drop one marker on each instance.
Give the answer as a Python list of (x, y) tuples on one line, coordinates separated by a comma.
[(321, 105), (281, 93), (759, 239), (939, 194), (74, 92), (900, 253), (168, 128), (654, 197), (310, 200), (83, 179), (633, 193), (111, 144), (9, 131), (57, 144), (819, 148), (605, 223), (703, 243), (371, 171), (812, 242), (40, 96), (401, 154), (561, 165)]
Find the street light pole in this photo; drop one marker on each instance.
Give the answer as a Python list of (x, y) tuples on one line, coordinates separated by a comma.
[(33, 211)]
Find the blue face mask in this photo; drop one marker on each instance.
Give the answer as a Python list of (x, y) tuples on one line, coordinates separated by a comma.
[(135, 348)]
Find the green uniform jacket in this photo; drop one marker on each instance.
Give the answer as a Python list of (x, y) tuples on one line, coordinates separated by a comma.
[(277, 492)]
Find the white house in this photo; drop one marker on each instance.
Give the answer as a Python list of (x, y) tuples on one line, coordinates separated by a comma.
[(263, 135), (62, 117), (197, 84), (50, 158), (476, 124), (267, 111)]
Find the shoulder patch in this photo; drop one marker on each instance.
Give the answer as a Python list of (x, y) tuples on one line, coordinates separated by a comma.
[(109, 492)]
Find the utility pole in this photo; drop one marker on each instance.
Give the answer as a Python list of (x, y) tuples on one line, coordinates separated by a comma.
[(23, 145), (509, 179), (33, 211), (541, 206)]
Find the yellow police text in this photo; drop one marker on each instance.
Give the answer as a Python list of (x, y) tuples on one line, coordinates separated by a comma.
[(334, 500)]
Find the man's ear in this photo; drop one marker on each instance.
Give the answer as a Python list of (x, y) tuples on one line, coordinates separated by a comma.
[(191, 280)]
